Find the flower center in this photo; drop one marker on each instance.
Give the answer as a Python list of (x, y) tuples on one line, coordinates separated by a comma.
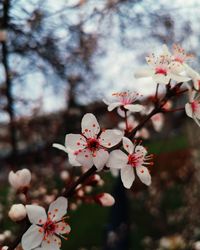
[(161, 71), (93, 144), (49, 227), (195, 106), (135, 160)]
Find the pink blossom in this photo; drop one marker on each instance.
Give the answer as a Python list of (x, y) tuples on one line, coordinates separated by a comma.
[(45, 228), (90, 147), (136, 158), (125, 100)]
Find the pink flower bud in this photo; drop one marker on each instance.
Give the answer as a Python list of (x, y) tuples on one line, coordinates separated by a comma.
[(17, 212), (105, 199), (20, 180)]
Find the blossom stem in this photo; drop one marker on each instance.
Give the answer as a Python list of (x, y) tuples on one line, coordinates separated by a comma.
[(69, 192)]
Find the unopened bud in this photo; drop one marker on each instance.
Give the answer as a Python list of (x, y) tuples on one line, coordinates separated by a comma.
[(20, 180), (17, 212), (4, 248), (105, 199)]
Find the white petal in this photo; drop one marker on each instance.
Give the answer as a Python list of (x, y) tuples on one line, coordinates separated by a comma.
[(128, 145), (159, 78), (13, 180), (140, 149), (59, 146), (62, 228), (72, 160), (100, 158), (24, 177), (114, 105), (52, 242), (32, 238), (117, 159), (145, 72), (74, 142), (197, 121), (127, 176), (36, 214), (85, 158), (122, 113), (58, 208), (179, 78), (110, 137), (134, 107), (188, 110), (90, 126), (144, 175)]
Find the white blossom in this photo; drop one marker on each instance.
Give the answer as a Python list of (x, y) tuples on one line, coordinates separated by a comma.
[(192, 108), (45, 229), (90, 147), (136, 158)]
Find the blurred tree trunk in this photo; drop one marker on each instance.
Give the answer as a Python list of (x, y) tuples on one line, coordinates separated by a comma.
[(5, 61)]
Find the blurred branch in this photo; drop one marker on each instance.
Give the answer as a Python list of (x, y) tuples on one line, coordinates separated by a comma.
[(10, 105)]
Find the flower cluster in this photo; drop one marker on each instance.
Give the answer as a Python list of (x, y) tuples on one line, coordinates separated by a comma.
[(109, 149)]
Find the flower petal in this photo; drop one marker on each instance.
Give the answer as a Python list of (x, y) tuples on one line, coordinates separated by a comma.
[(127, 176), (62, 228), (100, 158), (188, 110), (75, 142), (145, 72), (159, 78), (36, 214), (179, 78), (60, 147), (134, 107), (110, 137), (51, 242), (90, 126), (117, 159), (58, 208), (85, 158), (114, 105), (144, 175), (32, 238), (128, 145)]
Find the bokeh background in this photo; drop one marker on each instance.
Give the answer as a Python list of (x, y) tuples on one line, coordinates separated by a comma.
[(59, 59)]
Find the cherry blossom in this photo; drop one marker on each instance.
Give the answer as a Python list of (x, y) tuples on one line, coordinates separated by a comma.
[(125, 100), (136, 158), (45, 229), (20, 180), (163, 68), (90, 147), (192, 108)]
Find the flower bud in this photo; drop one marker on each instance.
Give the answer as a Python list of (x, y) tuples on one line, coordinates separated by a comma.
[(105, 199), (20, 180), (64, 175), (17, 212), (4, 248)]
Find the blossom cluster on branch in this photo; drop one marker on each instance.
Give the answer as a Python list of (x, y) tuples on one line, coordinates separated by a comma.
[(119, 149)]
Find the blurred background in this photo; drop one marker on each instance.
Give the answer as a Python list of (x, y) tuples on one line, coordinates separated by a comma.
[(59, 59)]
